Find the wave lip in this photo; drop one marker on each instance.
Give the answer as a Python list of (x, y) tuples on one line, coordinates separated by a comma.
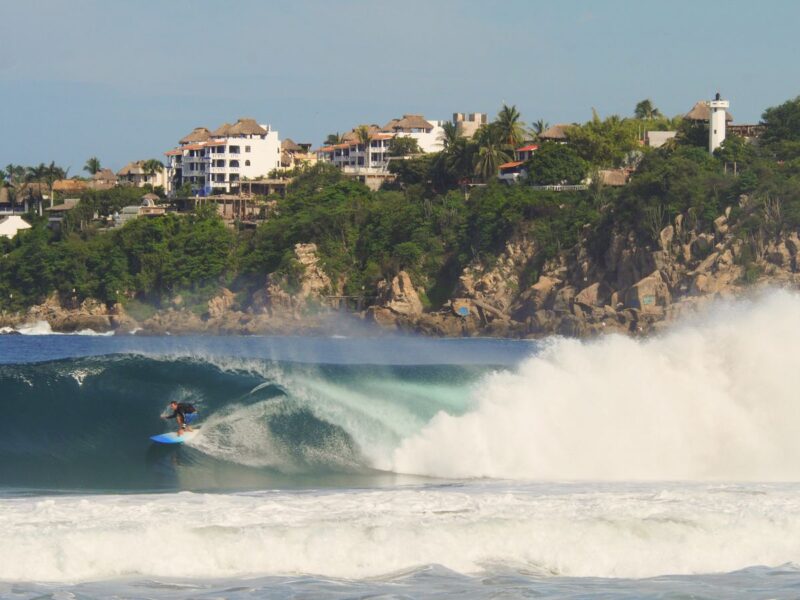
[(630, 532), (713, 399)]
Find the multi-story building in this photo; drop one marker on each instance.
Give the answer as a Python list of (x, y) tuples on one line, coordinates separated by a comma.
[(134, 173), (213, 162), (371, 164), (468, 124)]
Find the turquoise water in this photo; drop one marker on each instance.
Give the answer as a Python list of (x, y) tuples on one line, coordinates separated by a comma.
[(390, 467)]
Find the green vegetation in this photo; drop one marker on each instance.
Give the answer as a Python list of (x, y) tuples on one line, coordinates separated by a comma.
[(442, 212)]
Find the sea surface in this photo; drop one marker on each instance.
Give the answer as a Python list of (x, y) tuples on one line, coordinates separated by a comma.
[(401, 467)]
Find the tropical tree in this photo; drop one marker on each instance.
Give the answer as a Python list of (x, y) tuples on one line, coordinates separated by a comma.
[(151, 167), (92, 165), (492, 151), (554, 164), (646, 111), (334, 138), (403, 146), (364, 136), (449, 135), (538, 128), (511, 130)]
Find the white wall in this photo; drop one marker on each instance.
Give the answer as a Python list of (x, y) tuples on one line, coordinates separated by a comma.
[(11, 225)]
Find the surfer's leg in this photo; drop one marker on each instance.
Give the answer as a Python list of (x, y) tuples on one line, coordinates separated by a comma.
[(180, 425)]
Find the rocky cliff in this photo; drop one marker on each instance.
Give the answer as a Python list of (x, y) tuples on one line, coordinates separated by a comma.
[(633, 288)]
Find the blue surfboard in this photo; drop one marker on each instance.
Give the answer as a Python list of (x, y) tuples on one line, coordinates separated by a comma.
[(173, 438)]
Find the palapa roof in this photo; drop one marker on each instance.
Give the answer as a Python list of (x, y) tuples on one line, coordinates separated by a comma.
[(31, 190), (247, 127), (104, 175), (555, 132), (132, 168), (289, 145), (151, 196), (69, 185), (701, 112), (222, 130), (408, 122), (198, 134), (351, 137), (614, 177)]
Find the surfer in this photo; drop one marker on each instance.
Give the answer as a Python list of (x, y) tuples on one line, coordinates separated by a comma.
[(185, 413)]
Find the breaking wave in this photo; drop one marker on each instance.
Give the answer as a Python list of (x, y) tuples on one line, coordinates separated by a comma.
[(714, 399)]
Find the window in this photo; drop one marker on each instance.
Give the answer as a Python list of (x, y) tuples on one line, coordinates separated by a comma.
[(247, 162), (247, 148)]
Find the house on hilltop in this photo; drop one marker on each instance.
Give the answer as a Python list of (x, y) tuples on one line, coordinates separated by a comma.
[(104, 179), (216, 162), (134, 173)]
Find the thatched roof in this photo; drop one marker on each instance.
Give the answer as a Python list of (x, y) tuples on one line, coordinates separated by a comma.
[(104, 175), (151, 196), (351, 137), (31, 191), (198, 134), (614, 177), (556, 132), (222, 130), (289, 145), (247, 127), (701, 112), (408, 122), (5, 195), (69, 185), (132, 168)]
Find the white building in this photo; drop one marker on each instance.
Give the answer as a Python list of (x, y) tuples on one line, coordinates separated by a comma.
[(371, 165), (215, 162), (718, 109), (10, 225)]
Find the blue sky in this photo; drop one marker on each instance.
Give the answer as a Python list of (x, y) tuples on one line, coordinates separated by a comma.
[(124, 80)]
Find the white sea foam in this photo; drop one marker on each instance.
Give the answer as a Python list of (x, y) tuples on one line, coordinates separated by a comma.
[(622, 531), (44, 328), (713, 399)]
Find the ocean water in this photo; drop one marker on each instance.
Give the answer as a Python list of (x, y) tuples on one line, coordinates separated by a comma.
[(397, 467)]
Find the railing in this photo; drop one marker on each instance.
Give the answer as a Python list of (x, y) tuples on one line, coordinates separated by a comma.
[(560, 188)]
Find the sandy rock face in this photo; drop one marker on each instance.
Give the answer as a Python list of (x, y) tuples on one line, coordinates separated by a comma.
[(399, 296), (649, 295)]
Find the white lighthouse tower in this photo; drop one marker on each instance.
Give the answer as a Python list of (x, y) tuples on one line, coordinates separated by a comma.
[(716, 122)]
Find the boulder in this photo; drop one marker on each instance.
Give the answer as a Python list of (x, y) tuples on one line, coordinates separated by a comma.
[(589, 296), (721, 226), (221, 304), (665, 238), (649, 295), (541, 293), (400, 296)]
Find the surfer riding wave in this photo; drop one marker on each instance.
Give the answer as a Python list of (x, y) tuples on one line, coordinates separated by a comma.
[(185, 414)]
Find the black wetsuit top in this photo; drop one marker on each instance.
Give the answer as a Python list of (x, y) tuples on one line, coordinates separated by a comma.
[(183, 409)]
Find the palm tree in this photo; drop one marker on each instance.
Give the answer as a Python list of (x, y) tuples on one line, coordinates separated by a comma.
[(334, 138), (538, 128), (151, 167), (511, 129), (491, 151), (92, 165), (364, 135), (448, 136), (646, 111)]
